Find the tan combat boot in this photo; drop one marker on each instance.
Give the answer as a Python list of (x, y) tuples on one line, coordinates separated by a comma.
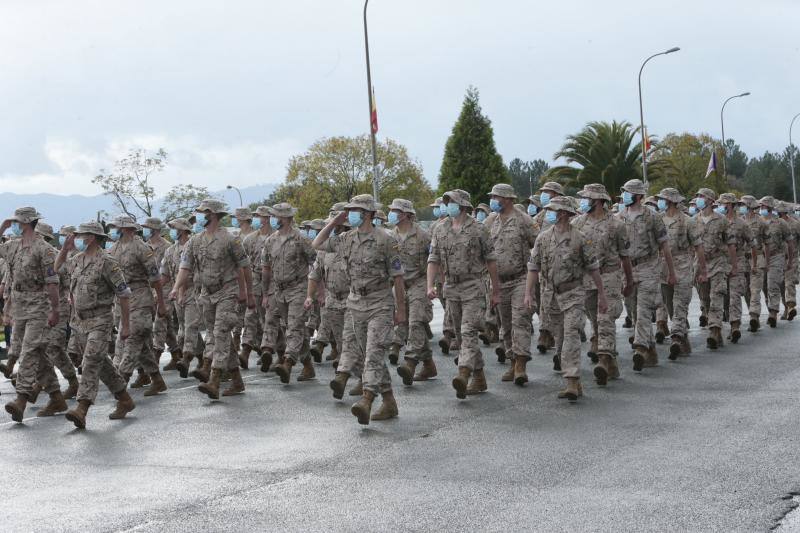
[(601, 370), (572, 391), (735, 333), (509, 374), (78, 415), (211, 387), (284, 370), (651, 358), (361, 409), (34, 394), (156, 385), (394, 353), (72, 388), (57, 404), (500, 351), (182, 366), (244, 356), (713, 342), (17, 408), (333, 355), (308, 371), (7, 368), (175, 356), (427, 372), (444, 342), (478, 383), (388, 408), (592, 353), (461, 381), (639, 354), (792, 312), (142, 380), (201, 374), (773, 319), (266, 359), (338, 384), (237, 385), (675, 347), (406, 371), (662, 331), (124, 406), (358, 390), (613, 368), (520, 372), (755, 323), (542, 343), (316, 350)]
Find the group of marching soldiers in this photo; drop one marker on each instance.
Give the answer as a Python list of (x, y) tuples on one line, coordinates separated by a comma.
[(102, 303)]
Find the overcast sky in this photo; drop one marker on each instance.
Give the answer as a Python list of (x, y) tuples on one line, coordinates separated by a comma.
[(233, 88)]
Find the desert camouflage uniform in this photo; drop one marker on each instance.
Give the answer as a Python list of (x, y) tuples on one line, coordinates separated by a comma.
[(737, 285), (254, 318), (330, 269), (778, 234), (414, 248), (715, 236), (683, 238), (164, 330)]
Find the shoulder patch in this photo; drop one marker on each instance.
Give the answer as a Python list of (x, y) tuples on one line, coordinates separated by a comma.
[(396, 264)]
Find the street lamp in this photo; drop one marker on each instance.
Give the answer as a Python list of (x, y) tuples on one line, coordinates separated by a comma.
[(641, 111), (241, 203), (369, 95), (791, 156), (722, 123)]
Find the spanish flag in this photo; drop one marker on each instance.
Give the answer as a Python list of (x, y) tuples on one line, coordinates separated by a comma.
[(374, 114)]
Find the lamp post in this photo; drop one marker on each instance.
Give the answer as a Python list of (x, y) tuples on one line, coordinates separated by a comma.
[(375, 188), (641, 112), (722, 123), (791, 156), (238, 192)]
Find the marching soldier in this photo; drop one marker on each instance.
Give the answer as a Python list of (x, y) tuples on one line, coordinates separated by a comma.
[(373, 265), (242, 219), (163, 327), (254, 318), (790, 274), (547, 336), (778, 245), (737, 281), (758, 228)]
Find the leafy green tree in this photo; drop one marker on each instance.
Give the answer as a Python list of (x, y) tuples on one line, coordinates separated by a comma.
[(681, 161), (603, 152), (524, 175), (471, 161), (769, 175), (335, 169), (181, 200), (736, 159)]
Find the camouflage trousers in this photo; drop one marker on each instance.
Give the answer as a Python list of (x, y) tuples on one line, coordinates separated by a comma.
[(57, 349), (77, 343), (737, 288), (274, 329), (254, 324), (447, 325), (604, 324), (568, 318), (137, 350), (490, 316), (775, 276), (165, 332), (365, 340), (419, 311), (97, 365), (220, 315), (648, 297), (545, 295), (756, 288), (713, 292), (331, 322), (34, 365), (467, 303), (676, 298), (516, 327), (289, 308), (313, 318), (790, 285), (190, 324)]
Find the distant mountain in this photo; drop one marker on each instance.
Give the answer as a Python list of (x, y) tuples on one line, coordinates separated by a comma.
[(59, 210)]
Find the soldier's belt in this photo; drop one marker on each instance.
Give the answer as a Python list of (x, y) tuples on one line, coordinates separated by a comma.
[(643, 260), (364, 291), (25, 288), (568, 286), (138, 285), (456, 279), (283, 285), (338, 295), (91, 313), (609, 269), (512, 277)]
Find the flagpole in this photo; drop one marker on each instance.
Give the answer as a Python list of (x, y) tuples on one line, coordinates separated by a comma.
[(725, 148), (375, 187), (641, 113), (791, 157)]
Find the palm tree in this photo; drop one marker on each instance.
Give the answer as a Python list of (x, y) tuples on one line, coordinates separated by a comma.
[(605, 153)]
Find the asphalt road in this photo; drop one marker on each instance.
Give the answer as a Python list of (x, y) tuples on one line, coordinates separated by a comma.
[(708, 443)]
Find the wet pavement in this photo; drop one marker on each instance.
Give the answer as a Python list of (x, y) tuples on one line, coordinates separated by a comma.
[(708, 443)]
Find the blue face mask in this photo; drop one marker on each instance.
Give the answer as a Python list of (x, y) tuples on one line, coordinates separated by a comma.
[(312, 233), (662, 205), (147, 233), (274, 223), (80, 245), (620, 208), (114, 234), (173, 234), (532, 209), (235, 222), (775, 214), (742, 209), (701, 202), (201, 219), (453, 209), (377, 222), (721, 210), (197, 228), (355, 218), (544, 198), (16, 229), (494, 205), (437, 211), (692, 210), (585, 205), (627, 198), (551, 217), (61, 240), (652, 208), (394, 218), (256, 223), (109, 245), (480, 216)]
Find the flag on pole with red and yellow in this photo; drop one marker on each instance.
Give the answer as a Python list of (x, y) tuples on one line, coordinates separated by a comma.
[(374, 114)]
